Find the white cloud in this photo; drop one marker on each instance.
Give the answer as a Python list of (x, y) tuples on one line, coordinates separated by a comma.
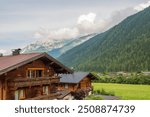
[(38, 35), (41, 33), (87, 24), (64, 33), (118, 16), (90, 17), (142, 6), (3, 51)]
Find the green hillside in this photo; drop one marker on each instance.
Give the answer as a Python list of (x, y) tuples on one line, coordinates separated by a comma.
[(125, 47)]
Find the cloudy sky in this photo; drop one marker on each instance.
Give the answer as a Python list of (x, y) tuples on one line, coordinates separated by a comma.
[(25, 21)]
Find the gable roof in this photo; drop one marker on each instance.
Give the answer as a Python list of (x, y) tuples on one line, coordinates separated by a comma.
[(8, 63), (76, 77)]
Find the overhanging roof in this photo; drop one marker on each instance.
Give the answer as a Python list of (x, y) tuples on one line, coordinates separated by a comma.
[(76, 77), (8, 63)]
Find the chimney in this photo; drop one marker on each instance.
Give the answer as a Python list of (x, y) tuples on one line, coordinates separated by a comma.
[(16, 51), (1, 54)]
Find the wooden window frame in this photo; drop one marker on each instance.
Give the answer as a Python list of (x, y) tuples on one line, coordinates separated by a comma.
[(19, 96), (45, 90), (35, 70)]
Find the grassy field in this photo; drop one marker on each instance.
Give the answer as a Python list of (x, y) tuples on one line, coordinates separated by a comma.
[(126, 91)]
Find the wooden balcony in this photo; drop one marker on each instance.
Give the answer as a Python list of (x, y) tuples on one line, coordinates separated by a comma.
[(58, 95), (29, 82)]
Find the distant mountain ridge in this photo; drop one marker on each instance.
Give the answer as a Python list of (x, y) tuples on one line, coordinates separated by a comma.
[(125, 47), (43, 46), (56, 47)]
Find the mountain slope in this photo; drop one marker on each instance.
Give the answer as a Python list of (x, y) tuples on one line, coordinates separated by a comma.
[(71, 44), (125, 47)]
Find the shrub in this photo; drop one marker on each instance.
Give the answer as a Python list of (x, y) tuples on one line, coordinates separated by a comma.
[(98, 91), (79, 94)]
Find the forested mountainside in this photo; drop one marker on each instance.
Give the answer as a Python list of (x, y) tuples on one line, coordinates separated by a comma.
[(125, 47)]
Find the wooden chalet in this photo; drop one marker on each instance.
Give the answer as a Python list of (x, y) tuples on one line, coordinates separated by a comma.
[(32, 76), (76, 81)]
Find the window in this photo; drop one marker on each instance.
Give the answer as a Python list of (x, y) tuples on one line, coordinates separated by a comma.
[(66, 86), (45, 90), (35, 72), (20, 94), (39, 73), (31, 74)]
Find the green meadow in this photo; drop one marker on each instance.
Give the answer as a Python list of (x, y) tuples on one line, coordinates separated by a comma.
[(126, 91)]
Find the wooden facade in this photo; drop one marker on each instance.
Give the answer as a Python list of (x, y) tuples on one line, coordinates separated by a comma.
[(34, 79)]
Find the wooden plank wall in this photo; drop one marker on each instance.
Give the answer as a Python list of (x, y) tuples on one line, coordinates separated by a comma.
[(71, 87), (22, 71), (83, 84), (86, 82)]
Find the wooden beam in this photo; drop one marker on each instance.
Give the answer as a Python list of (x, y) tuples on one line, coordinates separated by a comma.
[(51, 63)]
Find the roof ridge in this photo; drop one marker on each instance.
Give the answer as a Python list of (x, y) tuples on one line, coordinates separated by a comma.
[(22, 54)]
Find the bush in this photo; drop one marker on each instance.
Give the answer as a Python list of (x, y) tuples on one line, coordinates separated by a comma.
[(98, 91), (79, 94), (129, 79)]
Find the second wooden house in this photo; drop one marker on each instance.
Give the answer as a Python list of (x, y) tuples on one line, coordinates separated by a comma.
[(77, 81)]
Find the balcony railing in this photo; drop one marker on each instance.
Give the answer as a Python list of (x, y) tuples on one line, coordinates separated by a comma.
[(29, 82), (58, 95)]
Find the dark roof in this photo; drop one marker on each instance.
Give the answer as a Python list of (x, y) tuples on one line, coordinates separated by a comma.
[(76, 77), (8, 63)]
